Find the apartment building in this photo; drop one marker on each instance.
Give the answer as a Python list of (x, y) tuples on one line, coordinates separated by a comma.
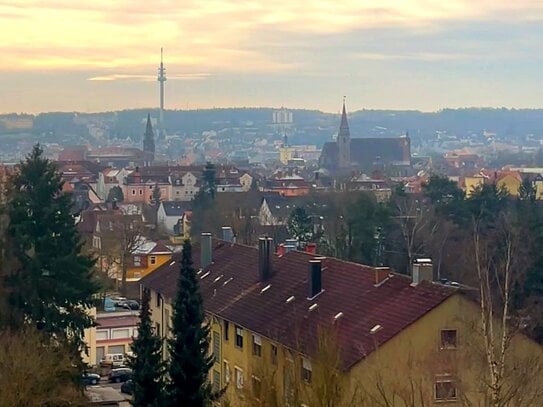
[(393, 334)]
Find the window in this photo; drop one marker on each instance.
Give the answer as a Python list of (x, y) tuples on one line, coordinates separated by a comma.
[(158, 329), (157, 299), (141, 191), (445, 388), (257, 387), (137, 261), (133, 192), (120, 333), (216, 380), (217, 346), (239, 337), (225, 328), (239, 377), (274, 355), (257, 345), (152, 260), (102, 334), (306, 370), (226, 371), (448, 339)]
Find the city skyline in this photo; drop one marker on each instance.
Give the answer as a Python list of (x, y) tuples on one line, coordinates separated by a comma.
[(73, 56)]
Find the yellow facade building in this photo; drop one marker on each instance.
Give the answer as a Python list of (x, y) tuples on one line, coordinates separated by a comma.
[(148, 257), (510, 181), (287, 329)]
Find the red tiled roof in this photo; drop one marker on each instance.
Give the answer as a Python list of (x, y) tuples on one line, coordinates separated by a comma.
[(232, 291)]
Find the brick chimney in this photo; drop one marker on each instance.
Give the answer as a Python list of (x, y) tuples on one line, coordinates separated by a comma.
[(381, 274), (265, 250), (311, 248), (206, 254)]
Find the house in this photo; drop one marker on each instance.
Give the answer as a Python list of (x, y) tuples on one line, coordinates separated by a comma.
[(288, 184), (139, 185), (184, 184), (170, 212), (147, 257), (510, 180), (275, 210), (394, 334)]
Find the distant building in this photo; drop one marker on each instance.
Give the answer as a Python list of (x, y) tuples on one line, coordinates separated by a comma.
[(148, 144), (365, 153), (171, 212), (282, 117)]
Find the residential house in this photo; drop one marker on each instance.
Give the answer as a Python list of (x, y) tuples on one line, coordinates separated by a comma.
[(288, 184), (147, 257), (394, 334), (139, 185), (275, 210), (170, 212), (510, 180), (184, 184)]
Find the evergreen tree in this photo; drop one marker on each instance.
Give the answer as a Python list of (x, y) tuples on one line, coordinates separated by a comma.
[(115, 194), (189, 361), (147, 364), (209, 186), (299, 225), (51, 285)]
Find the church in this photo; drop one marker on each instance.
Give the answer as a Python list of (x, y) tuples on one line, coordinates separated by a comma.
[(392, 154)]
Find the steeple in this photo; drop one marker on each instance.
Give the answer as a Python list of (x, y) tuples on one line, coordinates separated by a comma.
[(344, 140), (148, 143)]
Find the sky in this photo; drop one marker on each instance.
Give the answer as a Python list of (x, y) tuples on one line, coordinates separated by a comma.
[(100, 55)]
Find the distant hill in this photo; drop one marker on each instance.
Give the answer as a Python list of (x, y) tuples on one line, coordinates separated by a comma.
[(312, 126)]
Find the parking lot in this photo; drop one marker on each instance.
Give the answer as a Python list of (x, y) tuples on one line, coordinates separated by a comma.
[(107, 392)]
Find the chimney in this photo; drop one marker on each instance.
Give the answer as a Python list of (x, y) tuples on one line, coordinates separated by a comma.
[(315, 277), (265, 248), (381, 274), (227, 234), (205, 250), (281, 250), (422, 270), (311, 248)]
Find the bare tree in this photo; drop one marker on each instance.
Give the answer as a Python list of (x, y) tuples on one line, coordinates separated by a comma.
[(499, 265), (36, 372), (121, 236), (412, 219)]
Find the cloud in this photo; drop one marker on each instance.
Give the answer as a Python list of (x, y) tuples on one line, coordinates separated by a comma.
[(222, 34)]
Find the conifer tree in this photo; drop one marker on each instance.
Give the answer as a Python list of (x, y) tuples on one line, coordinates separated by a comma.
[(189, 361), (147, 364), (51, 286)]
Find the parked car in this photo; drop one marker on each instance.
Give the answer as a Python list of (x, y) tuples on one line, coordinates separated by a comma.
[(127, 387), (129, 305), (114, 360), (117, 300), (120, 375), (89, 379)]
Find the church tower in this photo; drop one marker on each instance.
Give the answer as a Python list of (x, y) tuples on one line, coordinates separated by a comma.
[(148, 144), (344, 141)]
